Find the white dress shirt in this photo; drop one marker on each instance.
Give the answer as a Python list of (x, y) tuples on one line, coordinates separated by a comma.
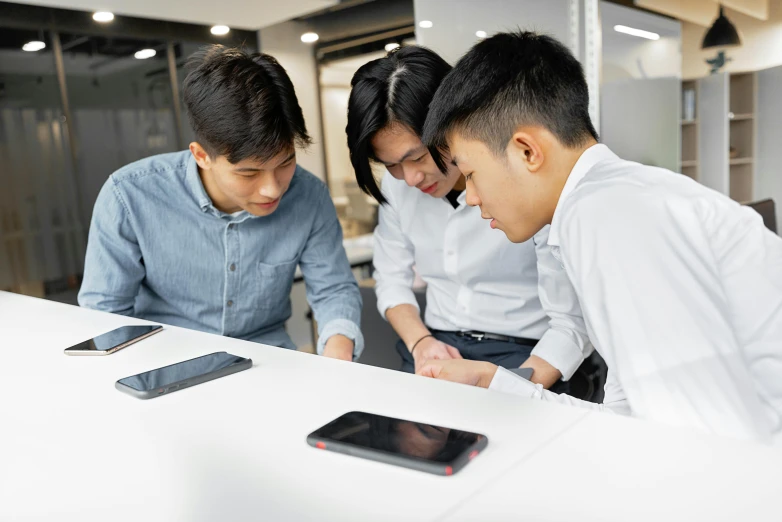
[(476, 279), (681, 289)]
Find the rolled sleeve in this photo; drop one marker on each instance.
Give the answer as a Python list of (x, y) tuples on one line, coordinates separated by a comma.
[(342, 327), (566, 343), (508, 382)]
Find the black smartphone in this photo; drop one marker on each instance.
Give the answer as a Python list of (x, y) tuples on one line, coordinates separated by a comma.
[(113, 341), (414, 445), (185, 374)]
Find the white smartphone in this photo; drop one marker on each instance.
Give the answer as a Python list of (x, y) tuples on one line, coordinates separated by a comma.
[(113, 341)]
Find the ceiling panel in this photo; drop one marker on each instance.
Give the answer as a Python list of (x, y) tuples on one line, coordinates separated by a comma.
[(704, 12), (240, 14)]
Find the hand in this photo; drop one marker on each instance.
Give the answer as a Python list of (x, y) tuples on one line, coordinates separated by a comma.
[(474, 373), (432, 349), (339, 347), (542, 372)]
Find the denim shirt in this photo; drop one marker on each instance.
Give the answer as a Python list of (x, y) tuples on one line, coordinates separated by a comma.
[(159, 250)]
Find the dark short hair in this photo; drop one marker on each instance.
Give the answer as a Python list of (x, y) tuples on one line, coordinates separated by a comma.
[(394, 89), (242, 105), (511, 79)]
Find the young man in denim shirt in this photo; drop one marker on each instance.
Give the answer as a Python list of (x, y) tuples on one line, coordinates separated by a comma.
[(210, 238)]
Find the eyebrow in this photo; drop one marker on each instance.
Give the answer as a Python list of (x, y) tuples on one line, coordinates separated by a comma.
[(411, 152), (454, 161), (255, 169)]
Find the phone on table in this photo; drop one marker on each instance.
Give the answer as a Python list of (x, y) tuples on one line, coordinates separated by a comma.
[(414, 445), (185, 374), (114, 340)]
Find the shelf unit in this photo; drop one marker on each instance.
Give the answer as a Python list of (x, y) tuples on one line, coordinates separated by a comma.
[(741, 118), (725, 120), (690, 136)]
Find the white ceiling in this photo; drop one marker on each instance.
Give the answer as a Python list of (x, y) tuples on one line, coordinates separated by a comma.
[(240, 14)]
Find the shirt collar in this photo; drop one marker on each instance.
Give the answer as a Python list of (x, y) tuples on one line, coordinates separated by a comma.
[(589, 158), (195, 186)]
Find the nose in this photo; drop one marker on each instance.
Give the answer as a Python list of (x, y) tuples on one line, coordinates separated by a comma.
[(472, 198), (270, 188), (413, 176)]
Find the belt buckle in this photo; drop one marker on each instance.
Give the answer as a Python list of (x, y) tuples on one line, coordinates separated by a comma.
[(478, 336)]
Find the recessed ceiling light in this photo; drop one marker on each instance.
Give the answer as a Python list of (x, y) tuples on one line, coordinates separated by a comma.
[(33, 46), (145, 53), (103, 16), (391, 46), (636, 32), (480, 34), (220, 30), (309, 37), (425, 24)]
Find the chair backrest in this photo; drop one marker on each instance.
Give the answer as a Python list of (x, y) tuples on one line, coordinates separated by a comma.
[(767, 211)]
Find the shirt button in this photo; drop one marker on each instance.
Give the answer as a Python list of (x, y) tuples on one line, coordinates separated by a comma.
[(230, 303), (231, 226), (232, 267)]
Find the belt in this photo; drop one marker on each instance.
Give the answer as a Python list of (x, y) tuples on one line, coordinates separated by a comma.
[(480, 336)]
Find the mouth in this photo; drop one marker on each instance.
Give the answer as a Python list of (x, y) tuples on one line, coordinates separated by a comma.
[(266, 206), (430, 189), (492, 223)]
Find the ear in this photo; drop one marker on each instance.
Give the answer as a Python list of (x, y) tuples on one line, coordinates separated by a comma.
[(202, 158), (526, 147)]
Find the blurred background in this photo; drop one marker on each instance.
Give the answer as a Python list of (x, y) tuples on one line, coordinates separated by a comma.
[(87, 86)]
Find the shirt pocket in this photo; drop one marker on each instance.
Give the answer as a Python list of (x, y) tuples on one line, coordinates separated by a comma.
[(274, 284)]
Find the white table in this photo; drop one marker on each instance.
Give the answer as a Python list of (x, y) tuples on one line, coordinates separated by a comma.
[(74, 448)]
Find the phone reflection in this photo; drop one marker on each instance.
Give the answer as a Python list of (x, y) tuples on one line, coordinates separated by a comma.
[(414, 439), (168, 375)]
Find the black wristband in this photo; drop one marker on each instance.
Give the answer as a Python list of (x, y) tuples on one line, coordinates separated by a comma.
[(418, 341)]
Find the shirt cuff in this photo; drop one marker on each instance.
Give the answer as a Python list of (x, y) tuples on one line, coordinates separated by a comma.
[(560, 351), (508, 382), (341, 327), (389, 297)]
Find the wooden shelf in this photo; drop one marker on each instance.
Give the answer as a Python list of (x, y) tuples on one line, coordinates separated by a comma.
[(689, 163), (742, 117), (689, 122), (741, 161)]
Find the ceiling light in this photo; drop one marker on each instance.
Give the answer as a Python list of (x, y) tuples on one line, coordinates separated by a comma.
[(391, 46), (220, 30), (721, 34), (145, 53), (636, 32), (35, 45), (480, 34), (309, 37), (103, 16), (425, 24)]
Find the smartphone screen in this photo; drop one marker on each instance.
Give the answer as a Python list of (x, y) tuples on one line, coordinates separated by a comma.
[(112, 339), (183, 371), (404, 438)]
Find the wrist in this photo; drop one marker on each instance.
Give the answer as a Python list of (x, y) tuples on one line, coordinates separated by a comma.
[(486, 374), (419, 341)]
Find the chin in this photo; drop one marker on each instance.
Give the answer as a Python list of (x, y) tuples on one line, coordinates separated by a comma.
[(518, 236)]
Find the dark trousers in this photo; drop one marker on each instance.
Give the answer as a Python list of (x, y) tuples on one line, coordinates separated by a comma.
[(501, 353)]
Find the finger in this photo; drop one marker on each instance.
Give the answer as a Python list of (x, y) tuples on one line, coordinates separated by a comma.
[(429, 370)]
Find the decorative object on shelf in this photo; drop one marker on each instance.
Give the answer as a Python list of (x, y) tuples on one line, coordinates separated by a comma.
[(733, 153), (718, 62), (688, 105)]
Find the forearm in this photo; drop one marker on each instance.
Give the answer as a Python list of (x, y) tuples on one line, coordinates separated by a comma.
[(543, 373), (406, 321)]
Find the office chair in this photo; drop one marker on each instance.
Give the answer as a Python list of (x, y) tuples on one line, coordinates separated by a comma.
[(767, 211)]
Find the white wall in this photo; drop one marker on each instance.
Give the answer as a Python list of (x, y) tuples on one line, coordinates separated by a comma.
[(283, 41), (761, 49)]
